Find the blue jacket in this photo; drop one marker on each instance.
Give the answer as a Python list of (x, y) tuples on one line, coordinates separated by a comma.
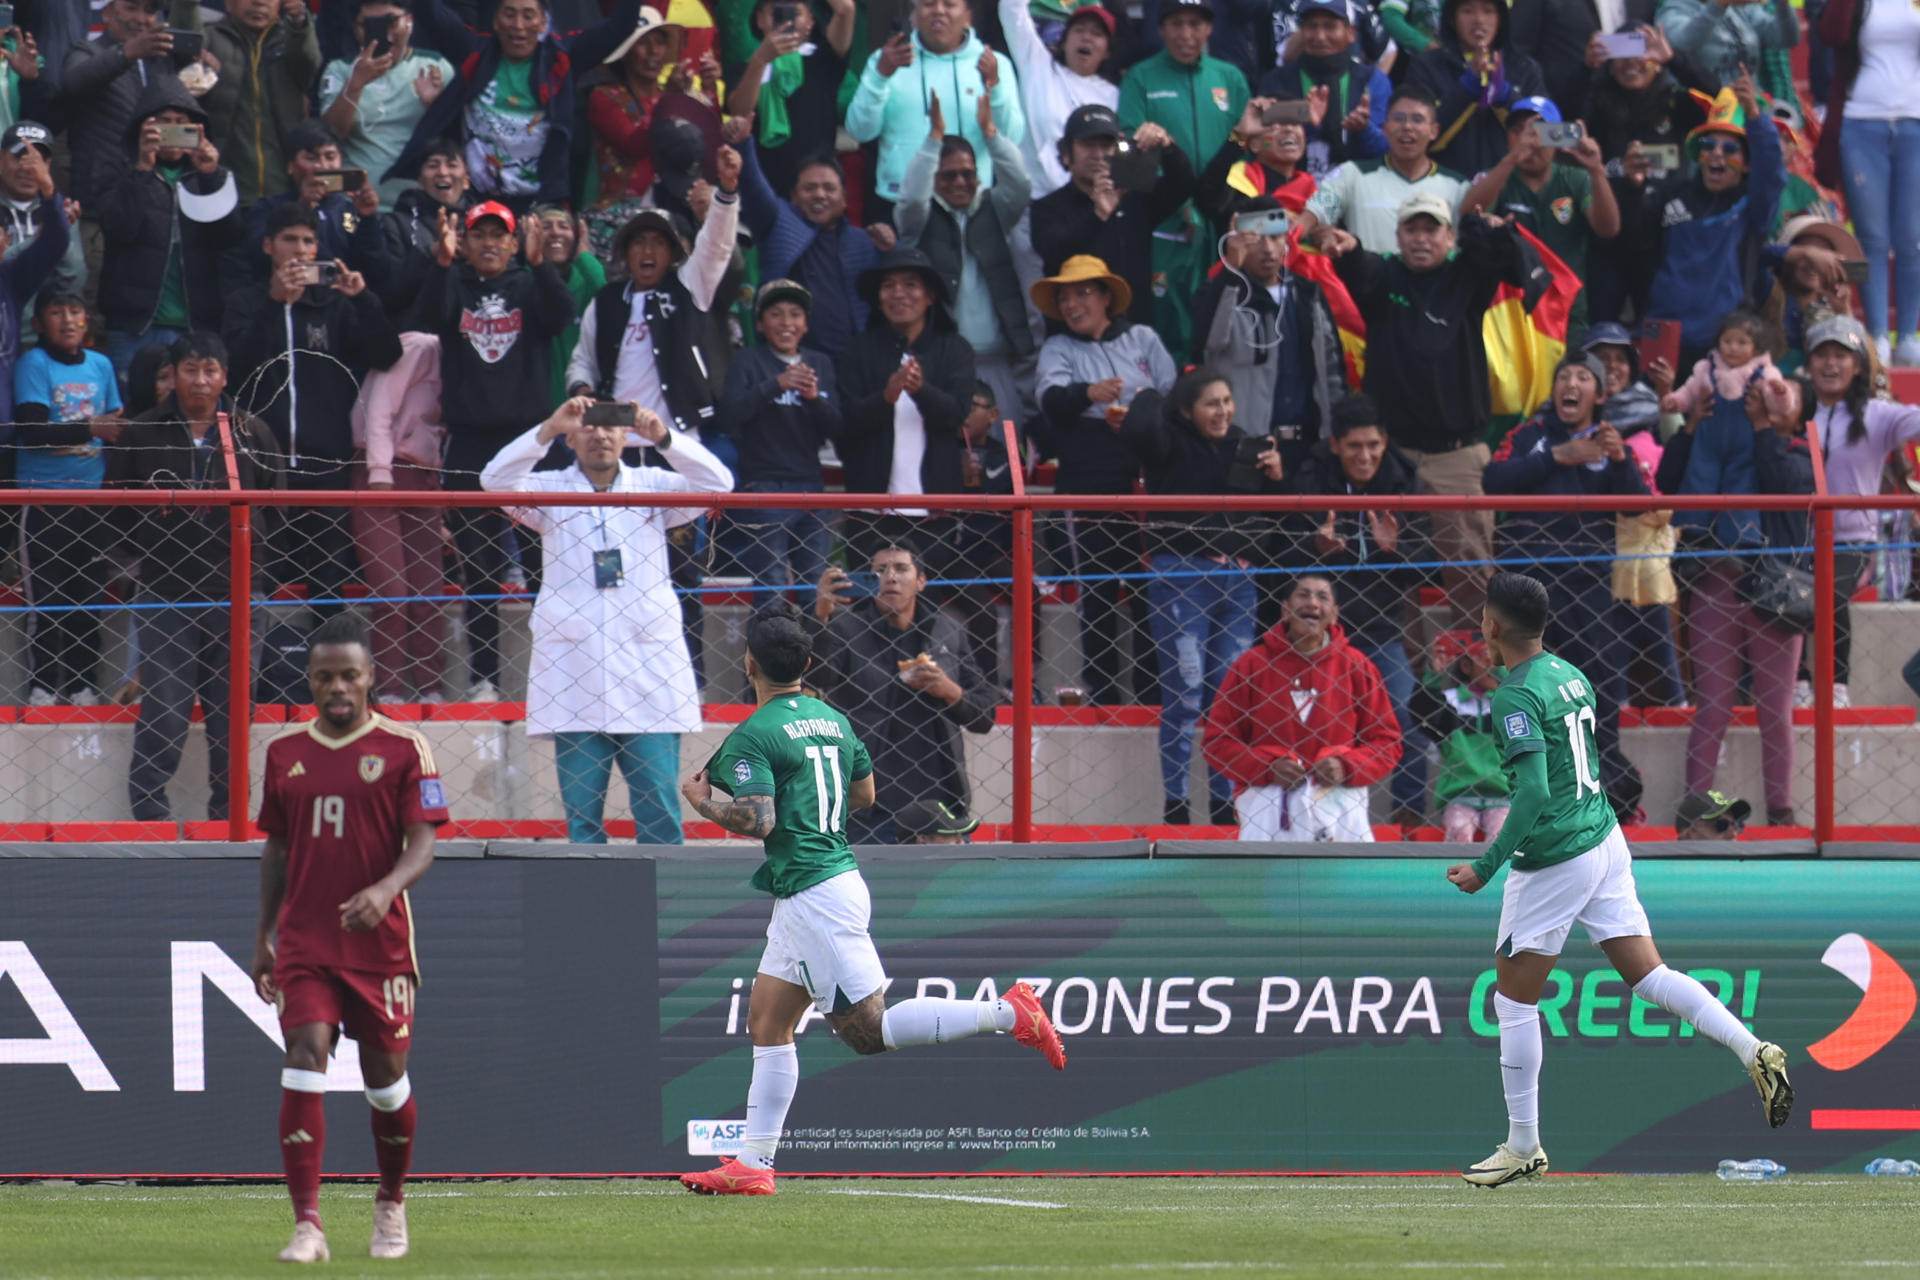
[(1330, 146), (21, 277), (1708, 245), (476, 58), (1524, 463), (784, 237)]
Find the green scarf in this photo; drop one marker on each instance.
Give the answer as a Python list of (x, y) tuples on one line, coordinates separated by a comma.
[(788, 71)]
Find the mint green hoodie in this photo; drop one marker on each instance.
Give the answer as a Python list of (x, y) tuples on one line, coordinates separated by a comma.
[(894, 108)]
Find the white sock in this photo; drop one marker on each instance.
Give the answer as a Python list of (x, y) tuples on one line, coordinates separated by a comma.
[(1520, 1055), (1687, 1000), (933, 1020), (776, 1074)]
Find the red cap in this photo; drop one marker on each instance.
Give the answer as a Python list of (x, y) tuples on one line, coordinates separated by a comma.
[(1093, 9), (491, 209)]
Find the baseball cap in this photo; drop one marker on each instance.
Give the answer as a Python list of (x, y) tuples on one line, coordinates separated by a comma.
[(782, 291), (1535, 106), (932, 818), (1706, 806), (1173, 7), (1093, 9), (1092, 121), (1338, 8), (678, 148), (1845, 330), (1425, 204), (491, 209), (24, 134)]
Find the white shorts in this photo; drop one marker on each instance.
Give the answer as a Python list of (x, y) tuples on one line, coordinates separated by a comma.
[(818, 939), (1307, 812), (1595, 889)]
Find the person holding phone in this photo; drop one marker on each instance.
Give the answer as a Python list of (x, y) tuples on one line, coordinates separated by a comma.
[(348, 218), (609, 679), (1202, 595), (1264, 158), (374, 101), (1560, 194), (790, 84), (165, 227), (1270, 333), (268, 55), (1346, 91), (301, 345)]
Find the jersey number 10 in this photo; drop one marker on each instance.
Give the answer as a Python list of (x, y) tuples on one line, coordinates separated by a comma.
[(826, 761), (1585, 777)]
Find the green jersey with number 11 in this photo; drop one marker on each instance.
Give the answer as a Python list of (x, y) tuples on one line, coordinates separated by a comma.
[(1545, 704), (801, 752)]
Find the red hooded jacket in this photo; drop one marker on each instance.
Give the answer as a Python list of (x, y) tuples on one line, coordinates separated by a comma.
[(1274, 703)]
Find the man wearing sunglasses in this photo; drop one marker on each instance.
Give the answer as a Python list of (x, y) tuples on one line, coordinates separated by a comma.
[(1706, 230), (1710, 816)]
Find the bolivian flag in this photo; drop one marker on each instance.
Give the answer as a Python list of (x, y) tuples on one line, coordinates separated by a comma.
[(1526, 332)]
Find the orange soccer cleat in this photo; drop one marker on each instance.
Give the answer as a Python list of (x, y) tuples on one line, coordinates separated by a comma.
[(731, 1179), (1032, 1026)]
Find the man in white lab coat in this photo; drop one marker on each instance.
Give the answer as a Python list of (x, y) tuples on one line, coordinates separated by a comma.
[(610, 678)]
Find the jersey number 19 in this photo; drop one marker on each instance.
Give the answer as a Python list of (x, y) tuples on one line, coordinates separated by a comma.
[(826, 764)]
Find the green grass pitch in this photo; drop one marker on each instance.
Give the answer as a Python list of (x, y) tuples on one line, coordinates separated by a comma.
[(1818, 1226)]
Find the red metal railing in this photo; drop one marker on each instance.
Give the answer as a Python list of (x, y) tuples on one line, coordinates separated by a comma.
[(1022, 507)]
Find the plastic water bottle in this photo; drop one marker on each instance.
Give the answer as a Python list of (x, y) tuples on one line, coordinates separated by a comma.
[(1749, 1170), (1885, 1168)]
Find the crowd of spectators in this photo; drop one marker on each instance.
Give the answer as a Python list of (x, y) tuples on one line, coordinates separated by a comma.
[(405, 244)]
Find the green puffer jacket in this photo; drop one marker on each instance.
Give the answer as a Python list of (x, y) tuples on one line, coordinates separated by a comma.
[(261, 93)]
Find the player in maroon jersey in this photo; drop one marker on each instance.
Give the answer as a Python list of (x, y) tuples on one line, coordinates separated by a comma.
[(350, 805)]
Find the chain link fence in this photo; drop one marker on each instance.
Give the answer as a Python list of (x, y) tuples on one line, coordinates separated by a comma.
[(116, 671)]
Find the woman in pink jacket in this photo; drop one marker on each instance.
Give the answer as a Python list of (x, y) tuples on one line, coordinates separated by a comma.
[(396, 436)]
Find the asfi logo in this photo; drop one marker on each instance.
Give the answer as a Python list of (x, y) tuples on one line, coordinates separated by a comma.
[(1884, 1011)]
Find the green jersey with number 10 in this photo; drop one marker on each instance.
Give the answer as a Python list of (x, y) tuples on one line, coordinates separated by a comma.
[(1546, 704), (801, 752)]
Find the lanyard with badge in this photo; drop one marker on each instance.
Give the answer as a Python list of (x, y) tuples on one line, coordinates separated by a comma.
[(608, 571)]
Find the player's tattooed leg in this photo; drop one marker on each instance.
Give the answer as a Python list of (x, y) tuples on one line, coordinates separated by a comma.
[(859, 1027)]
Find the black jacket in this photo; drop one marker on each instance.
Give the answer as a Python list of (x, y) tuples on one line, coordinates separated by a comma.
[(100, 89), (331, 341), (183, 551), (1178, 459), (1554, 33), (1426, 359), (689, 348), (1524, 463), (914, 738), (1473, 138), (496, 353), (1064, 224), (141, 217), (397, 250), (944, 399), (778, 433), (1374, 599)]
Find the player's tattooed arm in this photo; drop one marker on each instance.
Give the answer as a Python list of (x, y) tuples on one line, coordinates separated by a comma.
[(748, 816)]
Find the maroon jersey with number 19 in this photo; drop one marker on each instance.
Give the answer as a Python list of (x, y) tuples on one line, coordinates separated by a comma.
[(343, 805)]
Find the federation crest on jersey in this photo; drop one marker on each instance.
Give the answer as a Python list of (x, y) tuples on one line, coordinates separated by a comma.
[(742, 772), (371, 767), (1220, 96), (1563, 210), (1517, 726)]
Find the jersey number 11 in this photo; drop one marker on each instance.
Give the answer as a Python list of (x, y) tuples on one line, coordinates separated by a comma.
[(826, 761)]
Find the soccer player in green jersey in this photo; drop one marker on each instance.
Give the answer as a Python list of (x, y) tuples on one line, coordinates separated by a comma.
[(793, 770), (1570, 865)]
